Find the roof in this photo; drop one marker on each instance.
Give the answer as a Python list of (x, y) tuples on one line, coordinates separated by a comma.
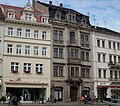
[(67, 9), (18, 11), (105, 30)]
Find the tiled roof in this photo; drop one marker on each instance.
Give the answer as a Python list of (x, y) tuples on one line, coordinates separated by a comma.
[(1, 15), (18, 11)]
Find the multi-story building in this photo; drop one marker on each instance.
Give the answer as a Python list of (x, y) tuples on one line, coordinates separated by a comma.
[(106, 63), (1, 46), (26, 52), (70, 65)]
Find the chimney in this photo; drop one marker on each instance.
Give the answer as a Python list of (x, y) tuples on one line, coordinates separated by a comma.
[(50, 2), (61, 5), (33, 4)]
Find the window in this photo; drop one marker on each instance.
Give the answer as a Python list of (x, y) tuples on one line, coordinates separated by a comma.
[(115, 59), (27, 67), (44, 35), (109, 44), (9, 48), (45, 20), (10, 31), (116, 75), (58, 71), (36, 34), (111, 73), (44, 51), (104, 73), (118, 59), (99, 73), (103, 57), (18, 49), (14, 67), (19, 32), (119, 74), (72, 37), (58, 53), (58, 36), (114, 45), (110, 58), (27, 33), (28, 17), (73, 53), (84, 40), (74, 71), (99, 57), (27, 49), (118, 46), (87, 56), (85, 72), (103, 43), (82, 55), (35, 50), (11, 15), (98, 43), (39, 68)]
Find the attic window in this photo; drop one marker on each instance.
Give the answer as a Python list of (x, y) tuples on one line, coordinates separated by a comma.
[(28, 16), (11, 15), (44, 20)]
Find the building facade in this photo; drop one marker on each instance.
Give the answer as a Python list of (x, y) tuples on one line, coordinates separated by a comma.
[(1, 46), (106, 63), (26, 53), (70, 65)]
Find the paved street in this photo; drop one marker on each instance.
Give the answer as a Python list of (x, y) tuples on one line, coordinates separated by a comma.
[(59, 104)]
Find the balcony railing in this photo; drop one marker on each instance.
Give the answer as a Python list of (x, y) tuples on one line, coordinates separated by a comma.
[(114, 79), (58, 41), (114, 64)]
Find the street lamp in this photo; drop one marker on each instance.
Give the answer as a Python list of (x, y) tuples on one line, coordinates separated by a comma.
[(42, 94)]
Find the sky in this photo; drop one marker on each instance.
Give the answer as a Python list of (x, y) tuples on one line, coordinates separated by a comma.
[(102, 13)]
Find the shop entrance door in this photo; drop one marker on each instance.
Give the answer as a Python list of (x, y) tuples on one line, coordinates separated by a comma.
[(73, 93)]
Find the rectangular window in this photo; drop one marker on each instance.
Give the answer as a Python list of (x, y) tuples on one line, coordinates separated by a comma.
[(14, 67), (18, 49), (27, 33), (99, 57), (83, 72), (11, 15), (109, 44), (35, 50), (118, 46), (44, 51), (87, 56), (111, 73), (58, 36), (82, 55), (72, 37), (9, 48), (103, 57), (104, 73), (27, 67), (114, 47), (98, 43), (27, 49), (58, 53), (28, 17), (44, 35), (87, 72), (58, 71), (19, 32), (36, 34), (103, 43), (99, 73), (39, 68), (84, 40), (10, 31)]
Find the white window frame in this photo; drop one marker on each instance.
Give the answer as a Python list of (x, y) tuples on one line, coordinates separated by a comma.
[(9, 48), (28, 17), (39, 68), (36, 34), (19, 32), (27, 67), (19, 49), (14, 66), (10, 31), (27, 50), (44, 35), (36, 50), (28, 33), (44, 51)]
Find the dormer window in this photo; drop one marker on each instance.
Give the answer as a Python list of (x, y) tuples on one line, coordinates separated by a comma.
[(44, 20), (28, 17), (11, 15)]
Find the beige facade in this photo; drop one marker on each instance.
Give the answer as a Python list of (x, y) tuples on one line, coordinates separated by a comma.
[(26, 54)]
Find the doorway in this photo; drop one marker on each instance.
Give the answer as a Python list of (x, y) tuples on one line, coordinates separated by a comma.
[(73, 93)]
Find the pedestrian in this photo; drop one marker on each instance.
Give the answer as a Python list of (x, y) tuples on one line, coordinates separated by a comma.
[(83, 99)]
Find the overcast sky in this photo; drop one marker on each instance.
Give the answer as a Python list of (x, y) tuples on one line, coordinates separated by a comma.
[(105, 12)]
